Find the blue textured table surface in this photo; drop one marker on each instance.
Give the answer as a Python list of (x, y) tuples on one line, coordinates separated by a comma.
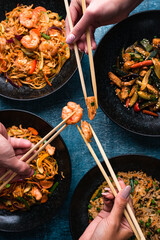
[(115, 140)]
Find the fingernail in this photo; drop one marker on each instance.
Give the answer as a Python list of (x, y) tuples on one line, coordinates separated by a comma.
[(105, 194), (119, 179), (70, 38), (107, 189), (31, 174), (126, 192)]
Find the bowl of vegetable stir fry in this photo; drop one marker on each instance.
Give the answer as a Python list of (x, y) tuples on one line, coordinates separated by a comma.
[(127, 63), (17, 213)]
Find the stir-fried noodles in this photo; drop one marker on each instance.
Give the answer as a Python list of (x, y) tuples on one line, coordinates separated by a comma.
[(32, 46), (146, 202), (22, 194)]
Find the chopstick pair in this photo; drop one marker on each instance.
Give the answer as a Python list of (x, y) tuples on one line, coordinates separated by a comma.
[(128, 211), (93, 77), (35, 147)]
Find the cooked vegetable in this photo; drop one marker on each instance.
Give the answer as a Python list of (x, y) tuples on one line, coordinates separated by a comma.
[(137, 77), (150, 113)]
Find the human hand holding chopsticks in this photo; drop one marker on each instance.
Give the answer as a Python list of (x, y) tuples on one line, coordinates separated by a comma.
[(98, 13), (11, 150), (110, 222)]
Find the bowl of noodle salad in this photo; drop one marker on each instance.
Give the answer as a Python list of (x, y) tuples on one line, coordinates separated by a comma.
[(28, 203), (33, 52)]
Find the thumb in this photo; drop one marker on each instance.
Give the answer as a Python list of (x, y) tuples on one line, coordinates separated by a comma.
[(20, 167), (119, 205), (3, 131), (79, 29)]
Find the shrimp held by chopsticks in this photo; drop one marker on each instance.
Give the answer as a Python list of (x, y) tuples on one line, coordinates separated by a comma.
[(69, 109), (86, 130)]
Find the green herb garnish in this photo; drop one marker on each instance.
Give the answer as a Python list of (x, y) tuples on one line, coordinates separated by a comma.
[(92, 104), (45, 36)]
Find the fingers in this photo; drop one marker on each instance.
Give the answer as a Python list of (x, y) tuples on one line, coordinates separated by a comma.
[(3, 131), (20, 167), (79, 29), (119, 205), (108, 201), (20, 143)]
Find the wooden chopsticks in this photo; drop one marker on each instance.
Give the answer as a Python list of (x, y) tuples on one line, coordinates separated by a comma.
[(35, 147), (79, 62), (128, 213), (89, 46)]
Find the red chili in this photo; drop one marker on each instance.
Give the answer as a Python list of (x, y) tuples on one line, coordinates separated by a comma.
[(33, 66), (136, 107), (142, 64)]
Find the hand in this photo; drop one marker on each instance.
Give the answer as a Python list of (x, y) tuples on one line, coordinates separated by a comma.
[(98, 13), (110, 222), (11, 150)]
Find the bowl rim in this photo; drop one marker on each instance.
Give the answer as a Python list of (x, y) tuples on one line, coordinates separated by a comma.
[(114, 121)]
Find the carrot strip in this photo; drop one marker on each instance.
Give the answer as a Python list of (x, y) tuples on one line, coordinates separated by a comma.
[(33, 130), (142, 64), (46, 78), (150, 113)]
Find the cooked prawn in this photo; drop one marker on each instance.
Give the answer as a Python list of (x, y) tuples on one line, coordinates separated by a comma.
[(29, 18), (32, 40), (69, 109), (91, 107), (2, 44), (86, 130), (50, 149), (48, 48)]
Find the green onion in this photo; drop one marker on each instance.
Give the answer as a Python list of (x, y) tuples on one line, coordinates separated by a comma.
[(92, 104), (45, 36), (8, 185), (159, 211), (132, 185), (60, 17), (136, 182), (141, 222), (23, 201), (148, 224), (53, 188), (35, 172), (89, 206), (157, 188), (147, 190), (90, 217), (158, 230), (98, 209), (152, 201)]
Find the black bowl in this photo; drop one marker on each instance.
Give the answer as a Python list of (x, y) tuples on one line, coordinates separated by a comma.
[(136, 27), (37, 215), (93, 179), (25, 92)]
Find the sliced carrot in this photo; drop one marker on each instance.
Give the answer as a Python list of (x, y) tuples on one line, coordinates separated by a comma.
[(46, 78), (46, 184), (33, 130), (142, 64), (44, 198), (150, 113)]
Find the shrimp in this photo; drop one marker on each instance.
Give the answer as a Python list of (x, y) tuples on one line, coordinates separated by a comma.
[(69, 109), (32, 40), (86, 130), (2, 44), (48, 48), (29, 18), (91, 107), (50, 149)]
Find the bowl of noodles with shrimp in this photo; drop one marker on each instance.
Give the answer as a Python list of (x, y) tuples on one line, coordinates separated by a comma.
[(35, 60), (28, 203)]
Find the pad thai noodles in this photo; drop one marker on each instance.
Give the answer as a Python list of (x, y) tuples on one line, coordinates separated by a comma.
[(145, 193), (21, 194), (32, 46), (136, 76)]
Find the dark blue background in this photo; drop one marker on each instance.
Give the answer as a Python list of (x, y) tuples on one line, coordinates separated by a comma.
[(115, 140)]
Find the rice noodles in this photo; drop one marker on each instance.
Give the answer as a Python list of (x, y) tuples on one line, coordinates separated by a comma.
[(146, 202)]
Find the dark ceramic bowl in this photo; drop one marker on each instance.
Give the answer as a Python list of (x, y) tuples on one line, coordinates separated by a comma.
[(93, 179), (37, 215), (25, 92), (134, 28)]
